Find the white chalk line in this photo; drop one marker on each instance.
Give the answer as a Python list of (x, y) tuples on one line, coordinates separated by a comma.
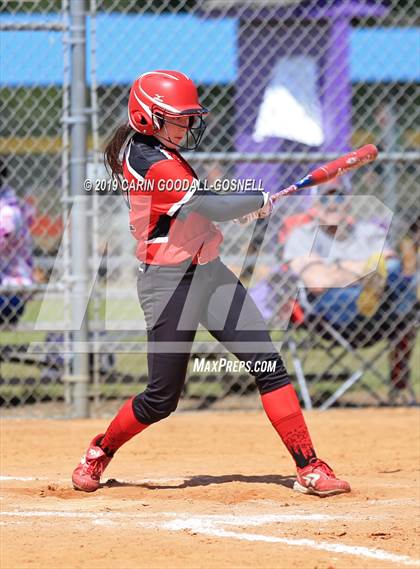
[(215, 518), (358, 551), (210, 525)]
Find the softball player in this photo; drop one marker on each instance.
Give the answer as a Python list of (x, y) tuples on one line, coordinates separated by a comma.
[(182, 281)]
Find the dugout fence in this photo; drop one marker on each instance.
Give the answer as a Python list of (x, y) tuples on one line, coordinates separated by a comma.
[(290, 84)]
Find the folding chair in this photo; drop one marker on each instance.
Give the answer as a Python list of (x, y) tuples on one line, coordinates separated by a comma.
[(337, 343)]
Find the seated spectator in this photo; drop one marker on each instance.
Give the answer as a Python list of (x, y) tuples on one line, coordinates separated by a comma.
[(353, 279), (15, 252)]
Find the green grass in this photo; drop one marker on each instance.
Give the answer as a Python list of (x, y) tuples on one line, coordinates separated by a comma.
[(316, 362)]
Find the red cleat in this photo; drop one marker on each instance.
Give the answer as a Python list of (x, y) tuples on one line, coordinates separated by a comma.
[(87, 475), (318, 478)]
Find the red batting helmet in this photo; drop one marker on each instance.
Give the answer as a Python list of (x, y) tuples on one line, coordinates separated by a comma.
[(156, 96)]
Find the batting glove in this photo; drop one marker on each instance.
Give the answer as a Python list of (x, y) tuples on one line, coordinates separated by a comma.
[(264, 211)]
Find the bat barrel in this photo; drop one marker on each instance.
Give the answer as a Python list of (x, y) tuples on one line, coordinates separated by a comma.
[(322, 174)]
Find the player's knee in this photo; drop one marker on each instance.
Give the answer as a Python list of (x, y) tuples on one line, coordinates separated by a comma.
[(270, 373), (151, 410)]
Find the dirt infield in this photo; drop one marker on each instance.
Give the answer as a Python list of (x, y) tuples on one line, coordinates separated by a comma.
[(212, 490)]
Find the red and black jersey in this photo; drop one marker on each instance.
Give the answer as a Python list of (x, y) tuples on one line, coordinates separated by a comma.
[(157, 174), (171, 215)]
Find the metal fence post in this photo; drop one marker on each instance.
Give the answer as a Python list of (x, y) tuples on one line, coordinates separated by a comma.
[(290, 85), (79, 220)]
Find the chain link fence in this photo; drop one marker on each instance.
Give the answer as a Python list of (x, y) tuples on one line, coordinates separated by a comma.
[(290, 85)]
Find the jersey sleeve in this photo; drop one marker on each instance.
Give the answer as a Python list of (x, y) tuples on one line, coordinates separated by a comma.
[(219, 207), (171, 186)]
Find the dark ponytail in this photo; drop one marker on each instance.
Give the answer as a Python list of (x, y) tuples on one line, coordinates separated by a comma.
[(112, 154)]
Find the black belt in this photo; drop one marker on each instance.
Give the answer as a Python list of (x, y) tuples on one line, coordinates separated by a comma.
[(188, 263)]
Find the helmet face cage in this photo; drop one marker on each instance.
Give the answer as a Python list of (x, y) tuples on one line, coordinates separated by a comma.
[(194, 130)]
